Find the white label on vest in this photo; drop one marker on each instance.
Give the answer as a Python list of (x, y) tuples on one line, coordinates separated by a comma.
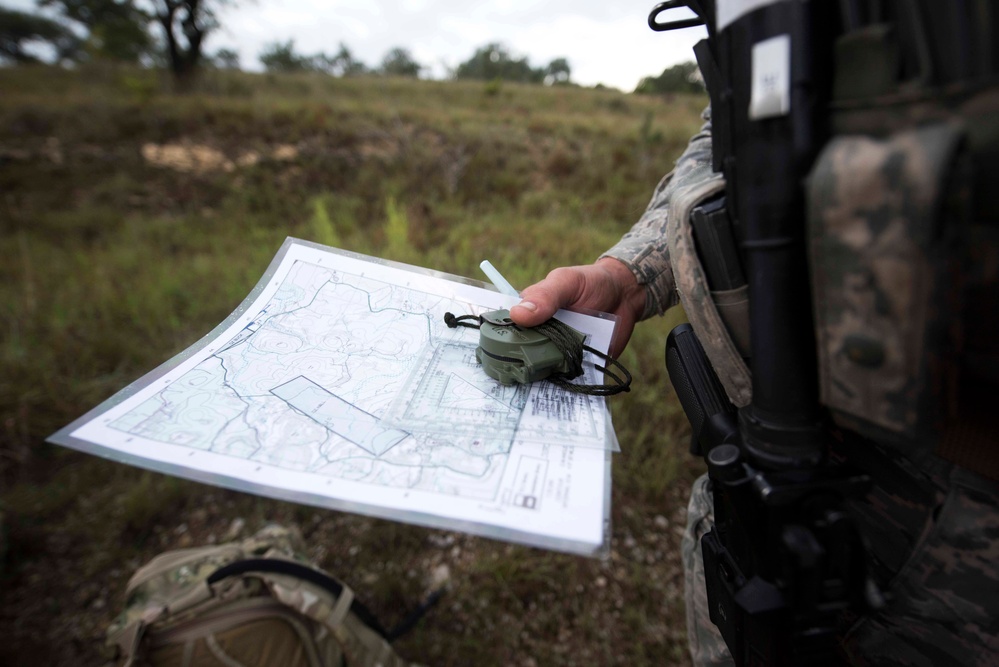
[(730, 10), (771, 93)]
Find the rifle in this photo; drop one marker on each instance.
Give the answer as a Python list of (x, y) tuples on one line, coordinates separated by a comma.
[(785, 561)]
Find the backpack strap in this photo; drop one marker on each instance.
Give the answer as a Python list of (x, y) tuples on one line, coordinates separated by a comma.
[(126, 640), (315, 594), (343, 595)]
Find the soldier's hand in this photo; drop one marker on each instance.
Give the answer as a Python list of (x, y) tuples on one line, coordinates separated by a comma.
[(607, 285)]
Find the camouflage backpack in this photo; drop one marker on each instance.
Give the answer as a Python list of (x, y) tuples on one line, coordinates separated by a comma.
[(255, 602)]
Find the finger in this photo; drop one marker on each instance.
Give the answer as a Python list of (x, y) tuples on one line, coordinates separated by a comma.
[(525, 313), (536, 306), (540, 301)]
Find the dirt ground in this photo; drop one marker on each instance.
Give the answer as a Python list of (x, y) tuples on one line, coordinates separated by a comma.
[(506, 605)]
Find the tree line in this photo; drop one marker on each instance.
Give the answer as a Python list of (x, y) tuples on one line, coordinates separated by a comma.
[(146, 32), (172, 34), (490, 62)]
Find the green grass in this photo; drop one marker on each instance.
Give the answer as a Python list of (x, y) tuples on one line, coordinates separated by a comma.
[(113, 264)]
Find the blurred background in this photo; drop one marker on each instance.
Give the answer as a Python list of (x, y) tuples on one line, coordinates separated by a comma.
[(153, 157)]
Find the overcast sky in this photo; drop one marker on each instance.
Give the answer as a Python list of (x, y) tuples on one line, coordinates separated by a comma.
[(604, 41)]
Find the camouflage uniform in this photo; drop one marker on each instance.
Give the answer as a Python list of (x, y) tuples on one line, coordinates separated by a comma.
[(932, 526), (645, 249), (660, 251), (705, 642)]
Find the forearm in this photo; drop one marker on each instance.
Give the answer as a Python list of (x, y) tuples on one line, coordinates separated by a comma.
[(644, 249)]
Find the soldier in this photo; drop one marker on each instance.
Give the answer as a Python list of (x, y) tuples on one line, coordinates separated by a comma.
[(634, 280), (932, 526)]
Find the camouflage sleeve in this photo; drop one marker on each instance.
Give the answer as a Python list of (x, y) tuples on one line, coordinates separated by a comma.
[(644, 249)]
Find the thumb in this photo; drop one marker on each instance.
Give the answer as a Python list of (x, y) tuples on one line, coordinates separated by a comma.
[(540, 301), (529, 312)]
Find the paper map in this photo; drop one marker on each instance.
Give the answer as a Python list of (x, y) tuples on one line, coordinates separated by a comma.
[(336, 383)]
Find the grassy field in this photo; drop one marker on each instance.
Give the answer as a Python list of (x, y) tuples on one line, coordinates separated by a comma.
[(133, 220)]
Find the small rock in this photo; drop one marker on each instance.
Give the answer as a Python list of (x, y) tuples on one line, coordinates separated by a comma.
[(235, 528), (285, 152), (441, 540), (661, 522), (601, 582), (440, 576)]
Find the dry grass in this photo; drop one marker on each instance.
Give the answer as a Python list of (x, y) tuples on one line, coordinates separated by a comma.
[(118, 255)]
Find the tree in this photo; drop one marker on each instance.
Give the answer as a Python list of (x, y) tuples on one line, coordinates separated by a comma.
[(681, 78), (557, 72), (493, 61), (186, 24), (281, 57), (323, 63), (120, 29), (398, 62), (226, 59), (19, 31), (344, 63), (116, 29)]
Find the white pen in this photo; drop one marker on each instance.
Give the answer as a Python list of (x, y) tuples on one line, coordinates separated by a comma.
[(497, 279)]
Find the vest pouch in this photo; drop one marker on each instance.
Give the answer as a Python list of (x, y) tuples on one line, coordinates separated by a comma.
[(884, 214), (714, 324), (733, 308)]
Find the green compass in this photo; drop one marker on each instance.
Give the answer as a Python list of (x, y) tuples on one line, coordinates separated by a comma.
[(510, 353)]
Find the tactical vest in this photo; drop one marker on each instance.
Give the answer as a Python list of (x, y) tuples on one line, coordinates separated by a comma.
[(903, 231), (856, 141), (892, 172)]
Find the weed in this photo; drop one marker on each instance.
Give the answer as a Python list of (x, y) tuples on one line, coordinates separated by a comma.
[(323, 229), (397, 244)]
